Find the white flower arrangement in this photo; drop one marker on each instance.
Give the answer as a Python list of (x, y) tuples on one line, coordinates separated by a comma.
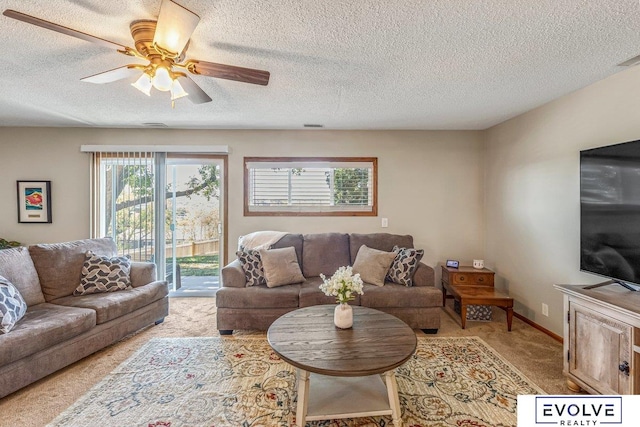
[(344, 285)]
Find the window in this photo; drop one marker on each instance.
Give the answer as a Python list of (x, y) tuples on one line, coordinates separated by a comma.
[(315, 186)]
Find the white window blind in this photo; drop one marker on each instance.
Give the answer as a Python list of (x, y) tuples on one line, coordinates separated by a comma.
[(308, 186), (123, 201)]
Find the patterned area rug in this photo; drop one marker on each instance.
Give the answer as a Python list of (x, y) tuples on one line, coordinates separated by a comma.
[(239, 381)]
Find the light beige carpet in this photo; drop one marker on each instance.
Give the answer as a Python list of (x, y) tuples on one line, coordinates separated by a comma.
[(535, 354), (240, 381)]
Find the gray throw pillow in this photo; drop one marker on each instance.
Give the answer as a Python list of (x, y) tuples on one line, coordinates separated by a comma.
[(101, 274), (404, 265), (252, 266), (372, 264), (12, 306), (281, 266)]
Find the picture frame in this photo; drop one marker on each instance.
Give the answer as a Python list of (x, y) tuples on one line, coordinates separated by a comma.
[(453, 263), (34, 202)]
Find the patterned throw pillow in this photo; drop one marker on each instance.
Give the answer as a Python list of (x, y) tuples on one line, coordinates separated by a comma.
[(102, 274), (12, 306), (404, 266), (252, 266)]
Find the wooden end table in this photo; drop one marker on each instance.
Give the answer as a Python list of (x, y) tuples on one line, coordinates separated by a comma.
[(473, 286), (341, 371)]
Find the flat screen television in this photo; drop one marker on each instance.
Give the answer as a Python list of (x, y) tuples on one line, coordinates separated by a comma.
[(610, 212)]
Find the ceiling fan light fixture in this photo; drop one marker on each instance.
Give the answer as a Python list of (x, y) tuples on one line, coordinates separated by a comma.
[(177, 91), (172, 41), (175, 26), (143, 84), (162, 79)]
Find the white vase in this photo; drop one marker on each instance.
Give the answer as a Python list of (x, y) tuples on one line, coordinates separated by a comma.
[(343, 316)]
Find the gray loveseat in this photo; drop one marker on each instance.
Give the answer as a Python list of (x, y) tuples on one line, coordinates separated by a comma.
[(256, 307), (58, 328)]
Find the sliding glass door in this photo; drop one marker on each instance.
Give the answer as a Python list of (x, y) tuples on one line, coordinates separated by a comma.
[(166, 209), (193, 223)]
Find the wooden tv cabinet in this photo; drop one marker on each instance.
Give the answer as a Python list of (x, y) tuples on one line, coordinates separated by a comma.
[(601, 338)]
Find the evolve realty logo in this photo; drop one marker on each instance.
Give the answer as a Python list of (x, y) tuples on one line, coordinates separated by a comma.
[(578, 410)]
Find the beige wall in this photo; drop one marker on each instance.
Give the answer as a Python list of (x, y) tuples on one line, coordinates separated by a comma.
[(430, 183), (532, 189)]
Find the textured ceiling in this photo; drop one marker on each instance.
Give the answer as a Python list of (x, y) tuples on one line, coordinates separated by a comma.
[(360, 64)]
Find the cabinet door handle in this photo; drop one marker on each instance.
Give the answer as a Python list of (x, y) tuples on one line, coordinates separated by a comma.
[(624, 367)]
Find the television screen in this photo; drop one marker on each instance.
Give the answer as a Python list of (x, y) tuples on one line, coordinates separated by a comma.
[(610, 211)]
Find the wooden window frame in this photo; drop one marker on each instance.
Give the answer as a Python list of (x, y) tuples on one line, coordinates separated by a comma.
[(372, 160)]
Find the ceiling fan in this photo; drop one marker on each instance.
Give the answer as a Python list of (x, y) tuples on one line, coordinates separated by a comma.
[(162, 44)]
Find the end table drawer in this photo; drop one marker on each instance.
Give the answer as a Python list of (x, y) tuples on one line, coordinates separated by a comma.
[(475, 279)]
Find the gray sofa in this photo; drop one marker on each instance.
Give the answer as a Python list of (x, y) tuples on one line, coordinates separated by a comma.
[(58, 328), (256, 307)]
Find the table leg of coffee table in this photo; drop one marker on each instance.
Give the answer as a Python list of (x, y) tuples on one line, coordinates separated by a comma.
[(463, 314), (303, 396), (394, 401)]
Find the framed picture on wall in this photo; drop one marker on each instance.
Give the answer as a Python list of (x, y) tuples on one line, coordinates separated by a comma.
[(34, 201)]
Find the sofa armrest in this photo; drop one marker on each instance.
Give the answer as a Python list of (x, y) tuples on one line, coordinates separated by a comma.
[(424, 276), (142, 273), (232, 275)]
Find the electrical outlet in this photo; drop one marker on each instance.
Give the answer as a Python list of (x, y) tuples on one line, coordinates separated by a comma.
[(545, 309), (385, 222)]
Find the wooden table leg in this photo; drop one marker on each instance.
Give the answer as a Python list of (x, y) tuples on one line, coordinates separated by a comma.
[(444, 296), (509, 318), (463, 313), (303, 397), (394, 401)]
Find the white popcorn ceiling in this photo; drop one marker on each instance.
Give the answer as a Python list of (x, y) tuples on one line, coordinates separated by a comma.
[(359, 64)]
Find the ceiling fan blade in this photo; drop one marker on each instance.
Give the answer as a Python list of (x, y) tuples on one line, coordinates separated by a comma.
[(229, 72), (61, 29), (175, 26), (114, 75), (196, 94)]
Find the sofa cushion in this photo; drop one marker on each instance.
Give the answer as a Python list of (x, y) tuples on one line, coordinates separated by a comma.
[(16, 265), (252, 266), (258, 296), (281, 267), (109, 306), (404, 265), (324, 253), (44, 326), (12, 306), (372, 265), (310, 294), (101, 274), (59, 264), (394, 295), (381, 241), (294, 240), (142, 273)]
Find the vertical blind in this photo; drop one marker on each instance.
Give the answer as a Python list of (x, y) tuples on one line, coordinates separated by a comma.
[(310, 186), (123, 197)]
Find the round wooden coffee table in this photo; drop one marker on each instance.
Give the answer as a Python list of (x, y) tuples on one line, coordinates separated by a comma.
[(341, 371)]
